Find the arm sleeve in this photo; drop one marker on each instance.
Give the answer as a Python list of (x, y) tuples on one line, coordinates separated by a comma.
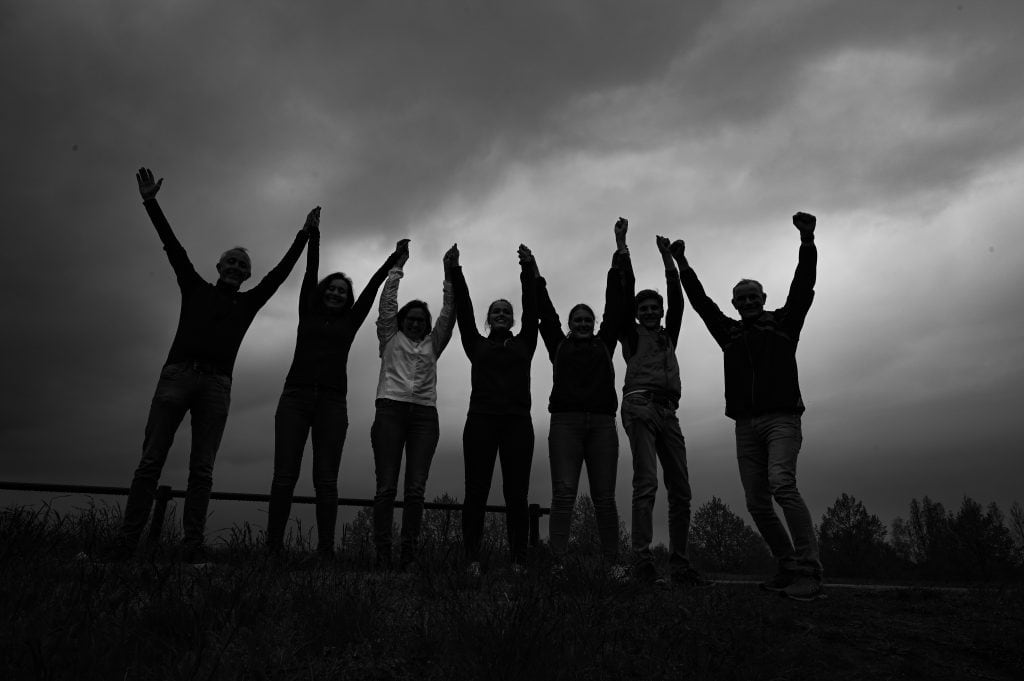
[(611, 318), (718, 324), (528, 332), (365, 300), (183, 268), (275, 277), (387, 324), (674, 314), (307, 292), (801, 291), (627, 317), (442, 332), (464, 313), (550, 325)]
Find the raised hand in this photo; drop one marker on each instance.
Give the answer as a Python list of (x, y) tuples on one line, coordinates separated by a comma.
[(678, 249), (621, 227), (663, 244), (402, 249), (805, 223), (312, 221), (451, 257), (147, 187), (525, 256)]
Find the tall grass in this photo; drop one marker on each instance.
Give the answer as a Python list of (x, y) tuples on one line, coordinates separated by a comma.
[(251, 616)]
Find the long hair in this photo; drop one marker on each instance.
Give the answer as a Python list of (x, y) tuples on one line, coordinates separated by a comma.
[(411, 305), (575, 307), (321, 288), (487, 317)]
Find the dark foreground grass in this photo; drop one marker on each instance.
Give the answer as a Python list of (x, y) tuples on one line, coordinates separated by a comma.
[(251, 617)]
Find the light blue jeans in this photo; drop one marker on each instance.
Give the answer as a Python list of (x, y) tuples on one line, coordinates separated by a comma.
[(766, 449)]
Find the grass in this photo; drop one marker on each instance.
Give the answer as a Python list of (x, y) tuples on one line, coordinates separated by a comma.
[(253, 617)]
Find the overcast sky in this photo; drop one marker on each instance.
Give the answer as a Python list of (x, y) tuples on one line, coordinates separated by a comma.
[(900, 125)]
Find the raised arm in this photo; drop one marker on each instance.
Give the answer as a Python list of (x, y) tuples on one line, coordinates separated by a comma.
[(364, 302), (387, 310), (276, 276), (307, 292), (673, 290), (464, 307), (441, 334), (550, 325), (528, 278), (718, 324), (627, 289), (183, 268), (801, 290)]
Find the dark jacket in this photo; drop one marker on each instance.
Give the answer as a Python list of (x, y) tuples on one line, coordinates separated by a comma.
[(760, 355), (214, 317), (500, 375), (583, 373), (324, 338)]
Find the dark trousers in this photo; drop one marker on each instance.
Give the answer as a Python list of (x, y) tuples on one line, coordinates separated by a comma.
[(301, 410), (485, 437), (413, 428), (182, 387), (575, 438)]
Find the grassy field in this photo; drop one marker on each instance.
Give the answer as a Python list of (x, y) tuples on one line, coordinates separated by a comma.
[(251, 617)]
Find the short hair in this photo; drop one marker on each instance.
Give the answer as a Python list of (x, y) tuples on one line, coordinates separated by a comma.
[(411, 305), (747, 282), (647, 294), (321, 288), (241, 249)]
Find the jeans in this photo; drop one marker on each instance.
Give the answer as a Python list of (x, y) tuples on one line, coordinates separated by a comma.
[(302, 409), (654, 434), (575, 438), (183, 387), (485, 437), (414, 428), (766, 449)]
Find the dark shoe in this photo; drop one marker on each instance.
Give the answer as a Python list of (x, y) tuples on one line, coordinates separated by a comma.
[(803, 588), (780, 581), (195, 555), (118, 552), (644, 573), (691, 578)]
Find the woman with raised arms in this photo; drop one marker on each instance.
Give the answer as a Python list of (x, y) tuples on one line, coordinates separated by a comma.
[(498, 424)]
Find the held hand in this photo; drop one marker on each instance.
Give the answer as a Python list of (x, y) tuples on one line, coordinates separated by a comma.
[(402, 249), (678, 249), (805, 223), (663, 244), (312, 225), (147, 187), (451, 257), (621, 227), (525, 256)]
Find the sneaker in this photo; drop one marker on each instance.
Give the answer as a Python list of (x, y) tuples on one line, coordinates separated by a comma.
[(780, 581), (803, 588), (691, 578), (195, 556), (644, 573), (558, 569), (518, 569), (473, 569)]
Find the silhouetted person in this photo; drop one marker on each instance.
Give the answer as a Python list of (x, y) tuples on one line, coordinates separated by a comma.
[(762, 394), (406, 406), (583, 404), (498, 423), (650, 397), (315, 395), (196, 377)]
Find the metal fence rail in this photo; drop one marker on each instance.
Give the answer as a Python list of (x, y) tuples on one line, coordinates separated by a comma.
[(164, 494)]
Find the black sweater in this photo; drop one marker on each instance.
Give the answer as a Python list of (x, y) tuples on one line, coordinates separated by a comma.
[(760, 355), (583, 373), (214, 317), (324, 338), (500, 375)]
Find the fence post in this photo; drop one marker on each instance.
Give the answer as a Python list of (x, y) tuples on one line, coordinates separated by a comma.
[(163, 495), (534, 524)]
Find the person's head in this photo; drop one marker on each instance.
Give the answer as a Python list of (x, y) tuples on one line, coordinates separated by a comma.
[(581, 321), (650, 308), (748, 297), (234, 267), (414, 320), (499, 315), (335, 292)]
